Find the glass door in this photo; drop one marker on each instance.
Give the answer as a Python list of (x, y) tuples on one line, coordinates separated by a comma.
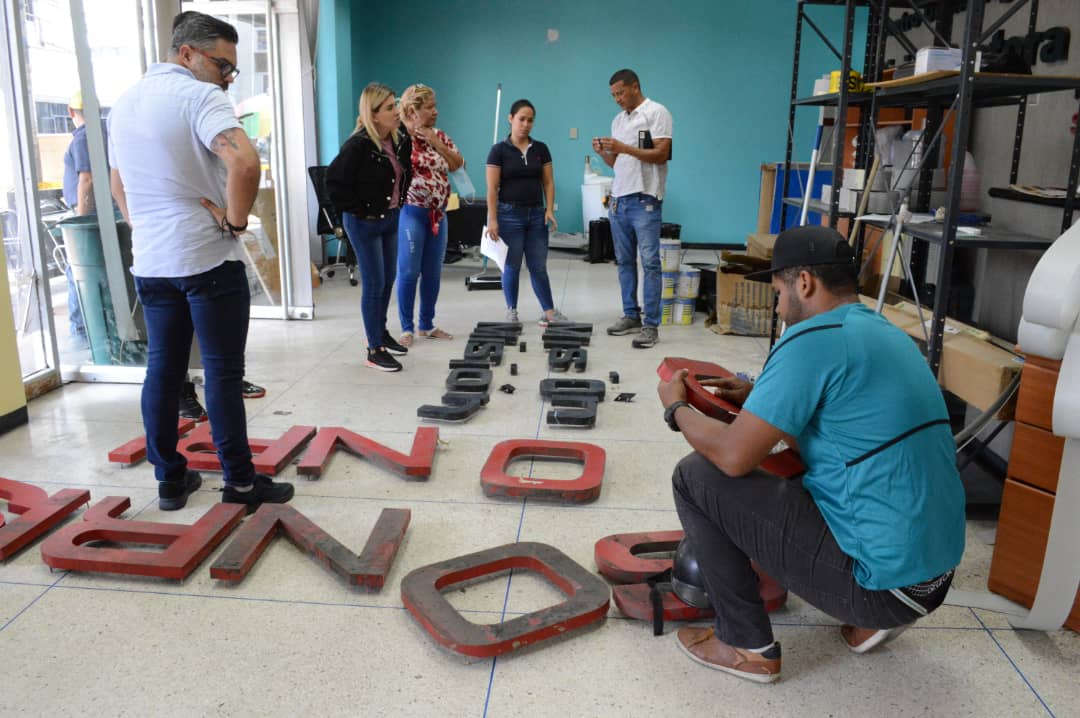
[(276, 250), (26, 266), (81, 55)]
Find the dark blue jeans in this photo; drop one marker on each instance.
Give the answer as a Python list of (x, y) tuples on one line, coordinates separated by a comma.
[(375, 243), (420, 257), (635, 228), (215, 305), (730, 520), (525, 233)]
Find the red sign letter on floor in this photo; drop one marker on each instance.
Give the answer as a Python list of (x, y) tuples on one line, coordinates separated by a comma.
[(134, 451), (332, 438), (587, 599), (269, 455), (369, 569), (496, 482), (38, 512), (185, 546)]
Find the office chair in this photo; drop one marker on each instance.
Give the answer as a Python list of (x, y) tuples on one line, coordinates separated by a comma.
[(329, 225)]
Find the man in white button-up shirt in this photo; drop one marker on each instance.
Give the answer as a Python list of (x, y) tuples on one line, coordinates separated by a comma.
[(638, 150), (185, 177)]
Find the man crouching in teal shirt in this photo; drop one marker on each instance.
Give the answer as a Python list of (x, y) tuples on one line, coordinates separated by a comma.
[(871, 533)]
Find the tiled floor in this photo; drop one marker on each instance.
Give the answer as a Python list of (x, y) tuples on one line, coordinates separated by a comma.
[(293, 639)]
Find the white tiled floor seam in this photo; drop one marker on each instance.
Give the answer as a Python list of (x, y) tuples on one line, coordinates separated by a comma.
[(1005, 653)]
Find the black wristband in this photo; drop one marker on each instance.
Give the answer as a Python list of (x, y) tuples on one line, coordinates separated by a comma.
[(231, 228), (669, 414)]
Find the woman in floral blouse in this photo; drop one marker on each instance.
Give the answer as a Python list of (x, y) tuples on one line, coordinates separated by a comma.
[(422, 226)]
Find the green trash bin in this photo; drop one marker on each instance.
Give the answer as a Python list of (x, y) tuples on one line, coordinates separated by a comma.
[(82, 242)]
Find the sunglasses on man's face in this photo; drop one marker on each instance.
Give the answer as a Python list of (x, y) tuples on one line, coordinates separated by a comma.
[(229, 71)]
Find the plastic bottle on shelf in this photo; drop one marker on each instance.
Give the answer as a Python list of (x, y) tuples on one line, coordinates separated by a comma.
[(970, 185)]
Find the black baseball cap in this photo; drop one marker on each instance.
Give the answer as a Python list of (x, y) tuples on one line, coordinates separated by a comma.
[(807, 246)]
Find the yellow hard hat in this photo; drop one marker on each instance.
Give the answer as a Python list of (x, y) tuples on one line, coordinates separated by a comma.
[(76, 100)]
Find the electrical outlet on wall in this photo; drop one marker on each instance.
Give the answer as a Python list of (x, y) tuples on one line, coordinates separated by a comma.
[(555, 208), (573, 133)]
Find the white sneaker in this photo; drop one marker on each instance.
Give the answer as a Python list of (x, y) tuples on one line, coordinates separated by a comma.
[(511, 315)]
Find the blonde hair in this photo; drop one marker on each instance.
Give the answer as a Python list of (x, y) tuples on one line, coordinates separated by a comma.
[(373, 95), (414, 98)]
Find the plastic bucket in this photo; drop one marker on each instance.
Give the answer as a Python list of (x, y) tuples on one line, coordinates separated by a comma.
[(86, 257), (667, 307), (82, 241), (668, 280), (670, 251), (689, 282), (682, 311)]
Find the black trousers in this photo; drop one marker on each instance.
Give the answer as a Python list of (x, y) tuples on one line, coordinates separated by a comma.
[(729, 521)]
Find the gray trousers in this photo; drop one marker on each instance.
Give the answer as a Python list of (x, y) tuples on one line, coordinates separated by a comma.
[(729, 521)]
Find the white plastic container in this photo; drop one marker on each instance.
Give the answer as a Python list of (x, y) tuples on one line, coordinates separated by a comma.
[(682, 312), (592, 200), (668, 280), (670, 255), (688, 283), (667, 306)]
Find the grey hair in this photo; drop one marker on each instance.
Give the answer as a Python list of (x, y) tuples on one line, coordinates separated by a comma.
[(201, 31)]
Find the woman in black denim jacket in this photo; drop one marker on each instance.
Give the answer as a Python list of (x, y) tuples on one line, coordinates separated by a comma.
[(366, 183)]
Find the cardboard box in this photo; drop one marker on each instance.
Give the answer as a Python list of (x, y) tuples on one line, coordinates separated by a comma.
[(260, 246), (733, 288), (972, 367), (743, 307), (760, 245), (741, 321)]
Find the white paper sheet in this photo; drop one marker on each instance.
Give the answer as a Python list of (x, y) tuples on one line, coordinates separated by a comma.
[(492, 249)]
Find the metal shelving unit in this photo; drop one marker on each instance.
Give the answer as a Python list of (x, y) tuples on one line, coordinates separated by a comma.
[(964, 91)]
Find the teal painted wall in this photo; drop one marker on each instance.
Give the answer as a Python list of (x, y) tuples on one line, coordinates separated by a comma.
[(335, 100), (723, 69)]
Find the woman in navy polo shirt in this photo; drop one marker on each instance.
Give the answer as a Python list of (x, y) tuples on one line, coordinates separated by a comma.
[(367, 182), (520, 200)]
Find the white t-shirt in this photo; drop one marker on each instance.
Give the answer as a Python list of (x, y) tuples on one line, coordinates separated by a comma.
[(631, 174), (159, 139)]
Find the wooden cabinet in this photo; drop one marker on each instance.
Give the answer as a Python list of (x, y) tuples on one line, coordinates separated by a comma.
[(1027, 502)]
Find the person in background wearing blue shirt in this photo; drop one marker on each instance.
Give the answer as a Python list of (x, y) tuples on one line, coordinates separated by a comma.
[(873, 530), (521, 206), (79, 195), (185, 177)]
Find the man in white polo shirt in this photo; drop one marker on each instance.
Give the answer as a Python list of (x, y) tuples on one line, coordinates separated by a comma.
[(185, 177), (638, 150)]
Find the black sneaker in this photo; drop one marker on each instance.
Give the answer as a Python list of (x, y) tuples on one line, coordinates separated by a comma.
[(252, 391), (391, 345), (380, 359), (173, 495), (190, 408), (263, 491)]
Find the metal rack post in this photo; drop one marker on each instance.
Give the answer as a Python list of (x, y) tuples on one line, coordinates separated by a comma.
[(964, 111), (840, 121), (791, 115)]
